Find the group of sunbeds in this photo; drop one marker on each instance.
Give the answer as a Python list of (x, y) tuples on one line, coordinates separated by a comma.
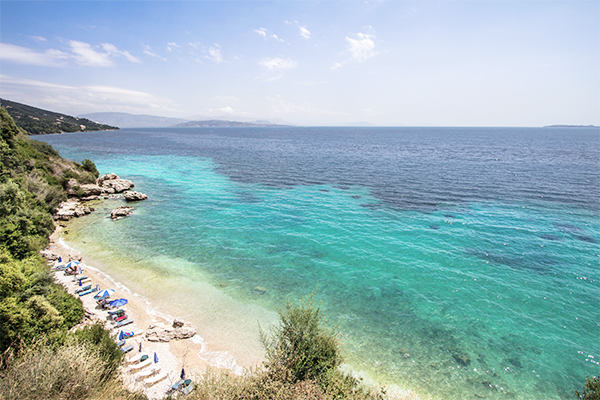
[(141, 365)]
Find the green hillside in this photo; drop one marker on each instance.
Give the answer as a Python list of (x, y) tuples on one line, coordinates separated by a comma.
[(36, 121)]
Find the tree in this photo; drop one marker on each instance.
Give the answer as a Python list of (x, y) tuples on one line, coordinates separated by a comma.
[(591, 390)]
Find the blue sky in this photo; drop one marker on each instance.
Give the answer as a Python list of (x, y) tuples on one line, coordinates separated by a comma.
[(413, 63)]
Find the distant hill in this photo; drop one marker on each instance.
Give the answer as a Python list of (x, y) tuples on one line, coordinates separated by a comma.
[(125, 120), (214, 123), (38, 122), (571, 126)]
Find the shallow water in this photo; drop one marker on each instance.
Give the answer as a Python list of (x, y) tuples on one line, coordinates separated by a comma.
[(456, 262)]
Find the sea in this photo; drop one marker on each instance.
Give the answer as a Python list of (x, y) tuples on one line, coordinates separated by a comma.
[(457, 263)]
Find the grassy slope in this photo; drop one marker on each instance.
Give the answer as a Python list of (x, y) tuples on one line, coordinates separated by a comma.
[(36, 121)]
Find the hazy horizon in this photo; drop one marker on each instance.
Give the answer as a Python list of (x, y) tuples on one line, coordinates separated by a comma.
[(388, 63)]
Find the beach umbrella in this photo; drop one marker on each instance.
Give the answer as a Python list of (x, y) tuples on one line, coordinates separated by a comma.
[(118, 302), (103, 294), (140, 350), (121, 335), (155, 358), (72, 264), (59, 259), (182, 373)]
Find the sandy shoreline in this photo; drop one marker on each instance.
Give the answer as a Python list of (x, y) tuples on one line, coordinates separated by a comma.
[(172, 356)]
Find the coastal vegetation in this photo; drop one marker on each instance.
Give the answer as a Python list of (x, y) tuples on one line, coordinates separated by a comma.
[(36, 121)]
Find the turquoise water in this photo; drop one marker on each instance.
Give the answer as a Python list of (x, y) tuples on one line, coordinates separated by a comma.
[(481, 296)]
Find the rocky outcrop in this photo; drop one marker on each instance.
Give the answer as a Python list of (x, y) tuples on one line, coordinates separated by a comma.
[(70, 209), (134, 196), (112, 181), (163, 333), (121, 212)]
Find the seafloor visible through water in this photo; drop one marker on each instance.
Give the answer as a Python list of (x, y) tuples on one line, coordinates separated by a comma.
[(459, 263)]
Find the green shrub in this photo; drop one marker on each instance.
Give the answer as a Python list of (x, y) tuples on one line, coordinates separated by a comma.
[(302, 345), (591, 390), (90, 167)]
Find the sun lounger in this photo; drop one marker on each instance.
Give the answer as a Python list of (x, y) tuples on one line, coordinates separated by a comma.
[(155, 379), (136, 358), (87, 280), (80, 278), (87, 292), (127, 348), (120, 343), (188, 388), (148, 372), (141, 365), (83, 289), (117, 312), (124, 322), (121, 318)]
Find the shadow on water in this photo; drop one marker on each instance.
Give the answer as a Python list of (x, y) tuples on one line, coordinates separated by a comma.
[(539, 265)]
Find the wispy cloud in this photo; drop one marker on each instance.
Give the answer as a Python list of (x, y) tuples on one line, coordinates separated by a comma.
[(172, 45), (39, 39), (148, 51), (305, 33), (276, 66), (80, 52), (23, 55), (263, 32), (81, 99)]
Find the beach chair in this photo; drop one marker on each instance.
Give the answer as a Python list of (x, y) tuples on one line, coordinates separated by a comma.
[(127, 348), (124, 322), (140, 365), (87, 292), (148, 372), (151, 381), (137, 358), (187, 387), (120, 343), (121, 318), (80, 278), (83, 289)]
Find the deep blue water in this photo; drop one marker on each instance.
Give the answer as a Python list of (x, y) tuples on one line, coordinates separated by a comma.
[(458, 262)]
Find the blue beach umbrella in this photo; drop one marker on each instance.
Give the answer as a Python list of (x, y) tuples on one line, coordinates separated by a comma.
[(155, 358), (182, 373), (72, 264), (121, 335), (118, 302), (103, 294)]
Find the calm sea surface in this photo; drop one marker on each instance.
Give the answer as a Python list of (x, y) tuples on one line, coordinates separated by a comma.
[(461, 263)]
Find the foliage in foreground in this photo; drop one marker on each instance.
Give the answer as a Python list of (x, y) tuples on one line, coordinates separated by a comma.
[(591, 389)]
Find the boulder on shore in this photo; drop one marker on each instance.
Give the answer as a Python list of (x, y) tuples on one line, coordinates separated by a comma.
[(121, 212), (134, 196), (112, 181), (163, 333)]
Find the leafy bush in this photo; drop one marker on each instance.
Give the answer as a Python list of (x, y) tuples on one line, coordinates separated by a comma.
[(301, 345), (90, 167), (591, 390)]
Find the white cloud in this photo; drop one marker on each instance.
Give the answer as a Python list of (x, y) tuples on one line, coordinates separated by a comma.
[(220, 111), (81, 99), (305, 33), (214, 54), (84, 54), (23, 55), (362, 48), (172, 45), (148, 51), (276, 66), (261, 31), (112, 50), (277, 63), (335, 66), (39, 39)]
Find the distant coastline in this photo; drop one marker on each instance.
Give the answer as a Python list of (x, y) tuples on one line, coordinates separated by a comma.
[(571, 126)]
